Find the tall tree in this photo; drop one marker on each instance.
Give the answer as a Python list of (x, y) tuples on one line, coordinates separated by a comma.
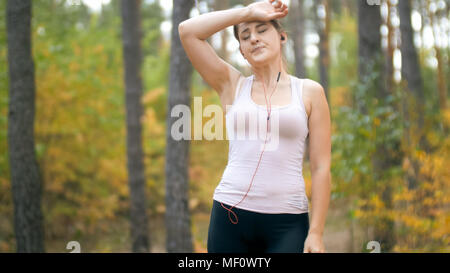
[(179, 238), (446, 14), (297, 22), (411, 74), (442, 80), (323, 16), (131, 35), (389, 70), (369, 41), (25, 175), (370, 61)]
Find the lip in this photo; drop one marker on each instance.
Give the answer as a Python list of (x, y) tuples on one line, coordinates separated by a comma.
[(255, 49)]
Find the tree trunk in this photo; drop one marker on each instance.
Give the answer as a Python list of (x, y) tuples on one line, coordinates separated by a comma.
[(131, 35), (390, 49), (369, 40), (25, 175), (411, 74), (297, 21), (323, 25), (447, 15), (442, 83), (178, 224), (371, 60), (410, 62)]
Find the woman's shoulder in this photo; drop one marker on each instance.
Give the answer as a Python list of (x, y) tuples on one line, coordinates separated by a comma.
[(312, 93), (311, 87)]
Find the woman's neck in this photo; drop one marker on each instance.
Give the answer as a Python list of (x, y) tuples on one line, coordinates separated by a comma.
[(269, 76)]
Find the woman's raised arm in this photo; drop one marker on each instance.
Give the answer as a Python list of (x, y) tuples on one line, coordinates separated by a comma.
[(193, 34)]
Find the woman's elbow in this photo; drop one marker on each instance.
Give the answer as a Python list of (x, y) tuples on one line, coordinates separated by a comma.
[(183, 28)]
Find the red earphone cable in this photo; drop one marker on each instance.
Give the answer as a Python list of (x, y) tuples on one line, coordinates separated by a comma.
[(269, 110)]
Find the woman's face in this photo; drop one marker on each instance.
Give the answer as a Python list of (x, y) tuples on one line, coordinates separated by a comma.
[(260, 42)]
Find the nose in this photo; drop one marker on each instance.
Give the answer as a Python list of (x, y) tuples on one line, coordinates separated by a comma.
[(254, 38)]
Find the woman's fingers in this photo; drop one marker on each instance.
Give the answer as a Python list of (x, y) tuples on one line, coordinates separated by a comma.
[(277, 5), (284, 6), (306, 246), (280, 7)]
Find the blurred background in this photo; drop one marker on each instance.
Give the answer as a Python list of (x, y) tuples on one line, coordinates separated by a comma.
[(86, 89)]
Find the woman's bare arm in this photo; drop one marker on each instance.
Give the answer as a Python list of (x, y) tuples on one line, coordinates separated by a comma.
[(193, 34), (320, 159)]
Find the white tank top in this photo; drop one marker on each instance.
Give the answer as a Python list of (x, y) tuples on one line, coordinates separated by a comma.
[(278, 185)]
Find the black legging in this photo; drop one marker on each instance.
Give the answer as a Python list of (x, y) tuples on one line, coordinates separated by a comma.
[(256, 232)]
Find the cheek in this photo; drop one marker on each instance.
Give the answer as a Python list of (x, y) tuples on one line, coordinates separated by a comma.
[(245, 50)]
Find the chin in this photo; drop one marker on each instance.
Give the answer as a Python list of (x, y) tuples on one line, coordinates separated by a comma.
[(261, 59)]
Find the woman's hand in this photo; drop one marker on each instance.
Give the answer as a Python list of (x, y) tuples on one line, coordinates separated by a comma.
[(313, 244), (266, 11)]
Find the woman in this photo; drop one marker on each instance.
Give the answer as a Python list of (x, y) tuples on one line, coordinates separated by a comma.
[(260, 204)]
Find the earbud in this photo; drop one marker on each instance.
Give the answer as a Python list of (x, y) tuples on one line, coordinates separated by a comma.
[(282, 38)]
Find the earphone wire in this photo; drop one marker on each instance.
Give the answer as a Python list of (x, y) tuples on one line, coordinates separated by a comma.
[(269, 110)]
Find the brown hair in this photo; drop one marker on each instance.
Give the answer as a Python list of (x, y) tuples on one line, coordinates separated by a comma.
[(277, 25)]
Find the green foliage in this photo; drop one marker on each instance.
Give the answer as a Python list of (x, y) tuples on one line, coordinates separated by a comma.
[(156, 68), (344, 63), (357, 136), (371, 123), (152, 16), (80, 122)]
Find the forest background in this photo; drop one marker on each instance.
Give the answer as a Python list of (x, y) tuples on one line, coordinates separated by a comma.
[(390, 124)]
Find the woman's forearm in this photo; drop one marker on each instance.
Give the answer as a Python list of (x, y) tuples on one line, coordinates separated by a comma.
[(321, 188), (207, 24)]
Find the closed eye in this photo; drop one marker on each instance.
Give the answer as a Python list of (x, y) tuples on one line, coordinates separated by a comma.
[(245, 38)]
